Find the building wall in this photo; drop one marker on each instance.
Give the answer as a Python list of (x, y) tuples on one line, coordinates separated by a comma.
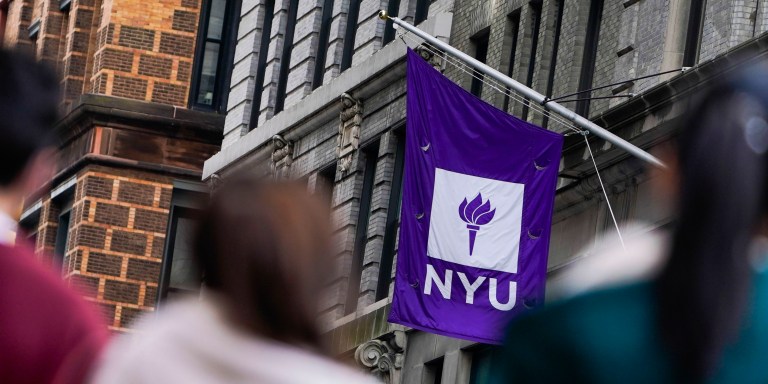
[(637, 38), (116, 240), (126, 136)]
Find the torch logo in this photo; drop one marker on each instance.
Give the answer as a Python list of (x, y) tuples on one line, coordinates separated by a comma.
[(475, 213)]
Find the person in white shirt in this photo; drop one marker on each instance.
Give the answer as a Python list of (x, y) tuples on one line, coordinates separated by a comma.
[(263, 248)]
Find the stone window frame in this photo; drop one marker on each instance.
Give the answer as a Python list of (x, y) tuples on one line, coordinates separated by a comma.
[(261, 67), (370, 152), (186, 200), (589, 58), (353, 16), (323, 41), (285, 56)]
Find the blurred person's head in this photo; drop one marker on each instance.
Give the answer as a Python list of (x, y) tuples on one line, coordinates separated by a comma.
[(722, 204), (264, 249), (28, 111)]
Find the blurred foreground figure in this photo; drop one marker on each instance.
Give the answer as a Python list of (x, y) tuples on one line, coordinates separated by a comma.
[(264, 251), (704, 316), (47, 333)]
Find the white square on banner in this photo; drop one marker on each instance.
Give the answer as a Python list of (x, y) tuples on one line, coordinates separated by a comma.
[(475, 221)]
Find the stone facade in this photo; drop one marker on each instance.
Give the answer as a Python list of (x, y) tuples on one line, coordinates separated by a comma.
[(636, 38), (127, 139)]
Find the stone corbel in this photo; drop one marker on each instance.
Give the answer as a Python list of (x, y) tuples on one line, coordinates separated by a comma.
[(348, 140), (214, 182), (383, 356), (282, 157), (429, 55)]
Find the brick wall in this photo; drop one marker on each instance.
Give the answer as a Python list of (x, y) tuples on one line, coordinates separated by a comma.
[(145, 53), (122, 48), (116, 240)]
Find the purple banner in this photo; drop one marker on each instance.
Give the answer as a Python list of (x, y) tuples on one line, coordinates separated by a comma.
[(476, 213)]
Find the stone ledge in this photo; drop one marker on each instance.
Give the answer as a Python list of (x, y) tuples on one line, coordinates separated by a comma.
[(362, 79)]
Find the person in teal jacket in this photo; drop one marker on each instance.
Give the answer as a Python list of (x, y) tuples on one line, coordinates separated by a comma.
[(704, 318)]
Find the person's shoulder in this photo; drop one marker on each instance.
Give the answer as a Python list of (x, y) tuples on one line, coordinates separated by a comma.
[(587, 311)]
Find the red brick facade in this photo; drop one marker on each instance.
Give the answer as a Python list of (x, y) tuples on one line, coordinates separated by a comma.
[(123, 147)]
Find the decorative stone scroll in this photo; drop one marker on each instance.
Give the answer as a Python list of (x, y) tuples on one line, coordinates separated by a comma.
[(383, 356)]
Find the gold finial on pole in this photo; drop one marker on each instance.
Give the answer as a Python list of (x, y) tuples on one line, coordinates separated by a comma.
[(383, 15)]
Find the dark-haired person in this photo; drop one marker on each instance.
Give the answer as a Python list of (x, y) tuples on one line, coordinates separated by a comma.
[(703, 318), (264, 251), (47, 333)]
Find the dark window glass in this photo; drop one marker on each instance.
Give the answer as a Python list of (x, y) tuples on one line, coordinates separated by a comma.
[(393, 222), (28, 226), (513, 28), (266, 30), (285, 57), (349, 35), (371, 157), (434, 371), (214, 55), (325, 182), (535, 15), (590, 55), (553, 61), (62, 236), (482, 360), (393, 7), (181, 275), (322, 43), (480, 41), (693, 34), (422, 11)]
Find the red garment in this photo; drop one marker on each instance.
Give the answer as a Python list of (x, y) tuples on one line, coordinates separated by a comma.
[(48, 334)]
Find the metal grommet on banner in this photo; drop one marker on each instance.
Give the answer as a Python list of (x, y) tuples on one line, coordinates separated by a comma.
[(535, 234), (426, 147), (414, 285), (541, 163), (419, 215)]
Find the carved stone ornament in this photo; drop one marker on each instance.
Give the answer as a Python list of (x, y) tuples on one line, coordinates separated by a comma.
[(282, 157), (348, 141), (429, 55), (214, 182), (383, 356)]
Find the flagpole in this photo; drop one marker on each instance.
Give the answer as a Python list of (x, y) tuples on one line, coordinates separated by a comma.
[(572, 116)]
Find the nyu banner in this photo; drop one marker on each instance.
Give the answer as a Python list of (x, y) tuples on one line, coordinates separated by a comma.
[(476, 213)]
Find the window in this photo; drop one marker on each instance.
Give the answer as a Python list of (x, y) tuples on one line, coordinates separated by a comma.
[(214, 55), (28, 225), (371, 153), (325, 182), (693, 34), (513, 28), (422, 11), (535, 15), (64, 202), (266, 30), (181, 275), (285, 57), (393, 222), (393, 8), (322, 43), (480, 41), (482, 360), (433, 371), (553, 61), (349, 34), (590, 55)]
